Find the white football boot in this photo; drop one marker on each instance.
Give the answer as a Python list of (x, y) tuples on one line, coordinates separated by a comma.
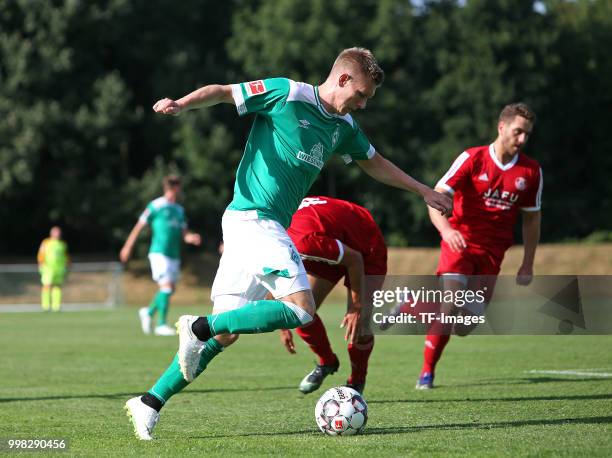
[(190, 347), (164, 330), (144, 418), (145, 320)]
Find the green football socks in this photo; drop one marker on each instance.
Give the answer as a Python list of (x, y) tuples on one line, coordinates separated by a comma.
[(172, 381), (160, 303), (163, 300)]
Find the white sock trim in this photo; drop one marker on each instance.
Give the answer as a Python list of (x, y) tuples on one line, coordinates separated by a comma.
[(461, 278), (158, 396), (302, 315)]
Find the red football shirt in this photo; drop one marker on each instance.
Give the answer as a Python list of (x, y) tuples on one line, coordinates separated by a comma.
[(322, 224), (488, 195)]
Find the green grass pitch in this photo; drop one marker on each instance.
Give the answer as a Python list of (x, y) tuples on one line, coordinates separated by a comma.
[(68, 375)]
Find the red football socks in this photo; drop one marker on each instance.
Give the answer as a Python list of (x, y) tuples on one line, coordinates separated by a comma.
[(434, 346), (359, 354), (315, 335)]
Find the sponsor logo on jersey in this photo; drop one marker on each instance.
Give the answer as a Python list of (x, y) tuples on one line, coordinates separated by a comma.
[(500, 199), (520, 183), (255, 87), (484, 177), (308, 201), (304, 123), (314, 157)]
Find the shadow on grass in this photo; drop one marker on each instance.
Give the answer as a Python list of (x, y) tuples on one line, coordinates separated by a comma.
[(437, 427), (128, 395), (530, 380), (311, 432), (577, 397), (494, 425)]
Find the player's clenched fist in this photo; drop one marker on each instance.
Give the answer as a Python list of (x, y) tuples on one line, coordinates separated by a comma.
[(167, 106), (439, 201)]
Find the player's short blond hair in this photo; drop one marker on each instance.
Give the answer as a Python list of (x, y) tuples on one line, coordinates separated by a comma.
[(509, 112), (364, 60), (171, 181)]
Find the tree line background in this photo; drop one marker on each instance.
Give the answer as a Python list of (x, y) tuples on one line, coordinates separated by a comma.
[(80, 145)]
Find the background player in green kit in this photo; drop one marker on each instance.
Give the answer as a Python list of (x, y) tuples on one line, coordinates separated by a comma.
[(297, 128), (167, 221), (53, 262)]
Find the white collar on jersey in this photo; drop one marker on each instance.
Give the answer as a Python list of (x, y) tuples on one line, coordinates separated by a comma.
[(315, 90), (505, 167)]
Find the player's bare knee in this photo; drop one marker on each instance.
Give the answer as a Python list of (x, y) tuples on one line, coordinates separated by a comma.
[(305, 301), (227, 339), (167, 287)]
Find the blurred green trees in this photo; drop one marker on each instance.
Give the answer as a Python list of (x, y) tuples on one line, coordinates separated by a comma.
[(80, 145)]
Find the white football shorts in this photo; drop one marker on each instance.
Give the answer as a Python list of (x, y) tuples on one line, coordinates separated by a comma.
[(258, 258), (164, 269)]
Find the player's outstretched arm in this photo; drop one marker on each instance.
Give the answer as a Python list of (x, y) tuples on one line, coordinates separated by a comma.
[(128, 246), (206, 96), (386, 172), (531, 237), (353, 261)]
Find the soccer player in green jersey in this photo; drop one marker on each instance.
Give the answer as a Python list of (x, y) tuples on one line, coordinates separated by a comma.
[(53, 262), (297, 127), (167, 221)]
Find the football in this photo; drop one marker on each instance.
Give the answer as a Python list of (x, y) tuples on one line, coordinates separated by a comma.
[(341, 411)]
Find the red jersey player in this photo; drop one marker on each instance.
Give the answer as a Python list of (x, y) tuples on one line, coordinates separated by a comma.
[(337, 239), (490, 186)]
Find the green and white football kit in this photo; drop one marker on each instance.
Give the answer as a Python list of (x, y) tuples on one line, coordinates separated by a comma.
[(292, 137), (167, 222)]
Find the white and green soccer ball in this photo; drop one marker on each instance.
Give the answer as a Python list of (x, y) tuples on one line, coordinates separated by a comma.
[(341, 411)]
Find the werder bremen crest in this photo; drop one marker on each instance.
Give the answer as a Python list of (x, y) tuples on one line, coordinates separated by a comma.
[(317, 151), (335, 136), (314, 157)]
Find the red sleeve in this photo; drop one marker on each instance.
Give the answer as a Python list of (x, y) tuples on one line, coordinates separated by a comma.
[(317, 247), (458, 174), (533, 199)]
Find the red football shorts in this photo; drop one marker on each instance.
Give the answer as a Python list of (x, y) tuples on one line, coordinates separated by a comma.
[(479, 264), (374, 262), (471, 261)]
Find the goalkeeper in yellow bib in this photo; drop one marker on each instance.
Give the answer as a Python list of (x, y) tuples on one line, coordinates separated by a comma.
[(297, 128), (169, 227), (53, 262)]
